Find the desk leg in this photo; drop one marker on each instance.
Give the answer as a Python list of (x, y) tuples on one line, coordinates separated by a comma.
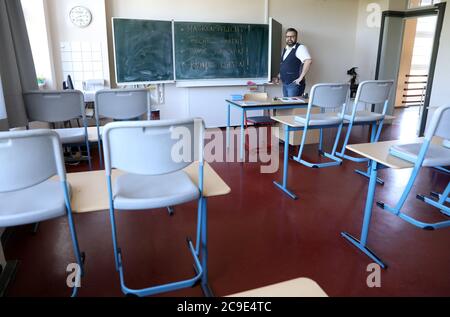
[(242, 147), (367, 173), (283, 186), (361, 244), (204, 250), (228, 126)]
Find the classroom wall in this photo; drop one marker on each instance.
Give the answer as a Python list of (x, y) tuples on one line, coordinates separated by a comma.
[(336, 32), (367, 37), (329, 64), (327, 28), (63, 31), (184, 102)]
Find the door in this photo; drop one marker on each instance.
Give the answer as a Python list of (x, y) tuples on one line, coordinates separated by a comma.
[(395, 26)]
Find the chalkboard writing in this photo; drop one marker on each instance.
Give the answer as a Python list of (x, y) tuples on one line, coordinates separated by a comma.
[(221, 50), (143, 50)]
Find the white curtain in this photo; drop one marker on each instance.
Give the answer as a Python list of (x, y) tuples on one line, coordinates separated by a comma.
[(17, 71)]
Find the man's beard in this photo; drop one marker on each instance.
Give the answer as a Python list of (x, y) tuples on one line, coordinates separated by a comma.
[(290, 44)]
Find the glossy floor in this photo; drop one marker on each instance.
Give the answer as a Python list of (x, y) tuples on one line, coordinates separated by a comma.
[(257, 236)]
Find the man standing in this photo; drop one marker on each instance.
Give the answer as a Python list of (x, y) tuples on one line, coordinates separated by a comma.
[(295, 64)]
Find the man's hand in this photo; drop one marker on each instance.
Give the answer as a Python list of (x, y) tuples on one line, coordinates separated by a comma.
[(306, 66), (298, 81)]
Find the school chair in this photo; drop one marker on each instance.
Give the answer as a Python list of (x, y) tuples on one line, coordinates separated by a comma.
[(371, 92), (326, 97), (29, 159), (258, 121), (60, 106), (152, 154), (118, 104), (426, 154)]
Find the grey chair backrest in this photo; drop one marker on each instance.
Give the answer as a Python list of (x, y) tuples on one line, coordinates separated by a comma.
[(439, 124), (29, 158), (329, 95), (152, 147), (121, 104), (54, 106), (374, 92)]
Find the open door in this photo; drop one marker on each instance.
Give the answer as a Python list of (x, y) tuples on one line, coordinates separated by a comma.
[(393, 49), (276, 37)]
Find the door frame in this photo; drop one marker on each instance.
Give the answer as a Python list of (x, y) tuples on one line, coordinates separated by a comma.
[(437, 9)]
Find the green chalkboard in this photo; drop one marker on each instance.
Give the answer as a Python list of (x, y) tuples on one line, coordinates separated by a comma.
[(143, 51), (221, 50)]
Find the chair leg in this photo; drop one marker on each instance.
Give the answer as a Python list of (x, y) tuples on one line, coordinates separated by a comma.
[(35, 228), (342, 154), (373, 138), (79, 256), (336, 161), (442, 199), (89, 154), (397, 209)]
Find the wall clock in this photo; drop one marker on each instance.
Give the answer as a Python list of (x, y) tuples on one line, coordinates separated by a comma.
[(80, 16)]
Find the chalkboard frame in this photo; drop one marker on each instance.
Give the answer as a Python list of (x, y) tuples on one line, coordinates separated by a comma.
[(224, 81), (199, 82), (130, 83)]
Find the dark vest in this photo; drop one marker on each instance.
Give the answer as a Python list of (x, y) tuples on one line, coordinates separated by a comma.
[(291, 67)]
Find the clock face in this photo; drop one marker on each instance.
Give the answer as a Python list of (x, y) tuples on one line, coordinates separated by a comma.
[(80, 16)]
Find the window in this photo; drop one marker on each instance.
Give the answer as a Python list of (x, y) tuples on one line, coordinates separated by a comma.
[(421, 3), (34, 13)]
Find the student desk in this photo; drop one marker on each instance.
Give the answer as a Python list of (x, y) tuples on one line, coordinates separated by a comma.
[(290, 125), (245, 106), (89, 193), (378, 154), (300, 287)]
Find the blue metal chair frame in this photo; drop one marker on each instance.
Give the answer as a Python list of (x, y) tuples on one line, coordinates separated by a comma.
[(374, 167), (243, 110), (336, 161), (79, 256), (381, 91), (199, 251), (397, 209), (331, 96)]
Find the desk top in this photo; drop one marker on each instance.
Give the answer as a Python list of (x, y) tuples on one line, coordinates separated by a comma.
[(268, 103), (379, 152), (89, 190), (290, 120), (92, 133), (300, 287)]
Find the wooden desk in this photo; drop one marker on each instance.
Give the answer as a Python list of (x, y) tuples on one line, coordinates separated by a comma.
[(300, 287), (290, 125), (378, 154), (90, 193), (245, 106)]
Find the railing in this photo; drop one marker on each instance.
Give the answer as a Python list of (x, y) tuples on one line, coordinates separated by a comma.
[(412, 93)]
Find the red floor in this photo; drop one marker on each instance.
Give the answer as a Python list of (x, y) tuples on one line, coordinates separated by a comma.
[(257, 236)]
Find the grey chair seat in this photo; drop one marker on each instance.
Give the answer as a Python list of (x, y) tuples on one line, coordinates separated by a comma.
[(317, 119), (437, 155), (138, 192), (71, 135), (365, 116), (33, 204)]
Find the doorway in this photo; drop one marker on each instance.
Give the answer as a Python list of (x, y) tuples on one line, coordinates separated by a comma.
[(408, 48)]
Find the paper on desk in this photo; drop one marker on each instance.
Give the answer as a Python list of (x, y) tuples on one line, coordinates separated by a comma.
[(291, 99)]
